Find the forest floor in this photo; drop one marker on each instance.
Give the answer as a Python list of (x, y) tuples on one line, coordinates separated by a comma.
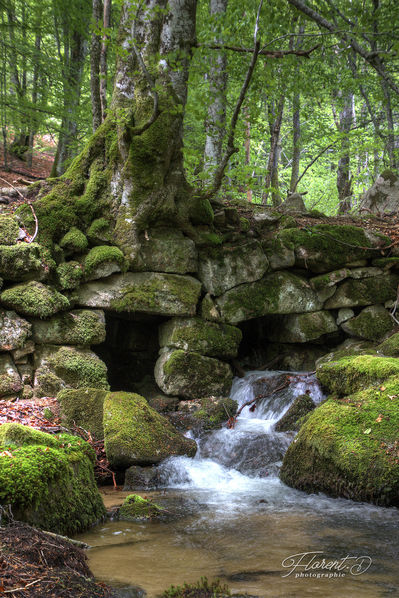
[(42, 162)]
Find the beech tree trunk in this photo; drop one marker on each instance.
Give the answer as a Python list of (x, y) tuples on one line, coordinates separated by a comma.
[(275, 116), (95, 56), (344, 175)]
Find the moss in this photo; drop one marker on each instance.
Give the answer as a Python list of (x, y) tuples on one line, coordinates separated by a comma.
[(34, 299), (351, 374), (387, 263), (390, 346), (366, 291), (9, 229), (208, 238), (25, 261), (373, 323), (287, 222), (244, 224), (200, 211), (214, 412), (79, 368), (74, 241), (136, 434), (100, 231), (135, 507), (48, 480), (78, 327), (201, 589), (293, 418), (83, 407), (103, 254), (350, 447), (69, 275)]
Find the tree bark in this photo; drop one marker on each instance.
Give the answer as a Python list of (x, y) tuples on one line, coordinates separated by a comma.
[(344, 176), (275, 117), (95, 56), (104, 59)]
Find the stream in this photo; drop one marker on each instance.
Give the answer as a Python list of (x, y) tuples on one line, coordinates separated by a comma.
[(231, 518)]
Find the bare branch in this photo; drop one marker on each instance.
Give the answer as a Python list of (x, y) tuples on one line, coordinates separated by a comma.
[(268, 53)]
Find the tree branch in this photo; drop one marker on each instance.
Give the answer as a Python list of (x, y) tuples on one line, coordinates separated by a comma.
[(263, 52)]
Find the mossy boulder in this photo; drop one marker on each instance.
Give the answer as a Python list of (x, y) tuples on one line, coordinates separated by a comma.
[(48, 480), (136, 507), (208, 309), (325, 284), (146, 292), (69, 275), (200, 211), (326, 247), (198, 335), (390, 347), (349, 447), (276, 293), (9, 229), (350, 374), (135, 434), (59, 367), (10, 380), (77, 327), (14, 331), (100, 231), (301, 328), (102, 261), (366, 291), (25, 261), (373, 323), (279, 254), (202, 415), (74, 241), (292, 419), (34, 299), (83, 407), (226, 267), (165, 250), (191, 375)]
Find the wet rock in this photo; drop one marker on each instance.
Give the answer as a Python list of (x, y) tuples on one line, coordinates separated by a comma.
[(191, 375), (141, 478), (203, 414), (373, 323), (14, 331), (291, 419), (301, 328), (76, 327)]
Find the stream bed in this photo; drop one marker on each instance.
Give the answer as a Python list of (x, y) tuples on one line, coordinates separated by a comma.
[(230, 517)]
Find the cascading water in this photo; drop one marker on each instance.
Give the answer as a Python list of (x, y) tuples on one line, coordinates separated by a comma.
[(232, 518)]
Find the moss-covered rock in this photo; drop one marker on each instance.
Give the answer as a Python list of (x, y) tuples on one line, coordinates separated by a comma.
[(69, 275), (83, 407), (373, 323), (226, 267), (279, 254), (390, 347), (135, 507), (198, 335), (301, 328), (208, 310), (165, 250), (191, 375), (78, 327), (100, 232), (147, 292), (34, 299), (200, 211), (10, 380), (102, 261), (366, 291), (277, 293), (48, 480), (14, 331), (350, 374), (25, 261), (326, 247), (9, 229), (349, 348), (136, 434), (203, 414), (74, 241), (349, 447), (292, 419)]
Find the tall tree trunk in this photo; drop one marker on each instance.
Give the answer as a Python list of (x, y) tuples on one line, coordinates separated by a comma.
[(296, 136), (275, 117), (95, 55), (344, 176), (104, 59), (216, 119), (247, 144), (35, 83), (390, 139)]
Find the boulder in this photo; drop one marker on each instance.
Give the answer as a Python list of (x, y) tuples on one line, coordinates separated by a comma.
[(100, 232), (10, 380), (390, 346), (366, 291), (203, 415), (14, 331), (49, 480), (208, 310), (276, 293), (34, 299), (83, 407), (69, 275), (135, 434), (19, 355), (222, 268), (141, 478), (25, 261), (102, 261), (166, 250), (294, 203), (9, 229), (373, 323), (350, 347), (301, 406), (344, 314), (200, 336), (383, 195), (146, 292), (74, 241), (280, 255), (78, 327), (301, 328), (136, 508), (191, 375)]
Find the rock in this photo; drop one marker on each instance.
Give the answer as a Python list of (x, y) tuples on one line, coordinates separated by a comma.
[(25, 261), (208, 310), (10, 381), (102, 261), (69, 275), (276, 293), (59, 367), (387, 263), (83, 407), (344, 314), (77, 327), (135, 507), (14, 331), (357, 273), (351, 374), (135, 434), (74, 241), (373, 323), (383, 196), (366, 291), (191, 375), (325, 247), (34, 299), (265, 218), (294, 203), (390, 346), (301, 328), (279, 255), (141, 478), (203, 414), (166, 250), (200, 210), (195, 334), (222, 268), (9, 229), (301, 406), (146, 292), (100, 232), (346, 448), (58, 492), (349, 348), (329, 279), (19, 354)]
